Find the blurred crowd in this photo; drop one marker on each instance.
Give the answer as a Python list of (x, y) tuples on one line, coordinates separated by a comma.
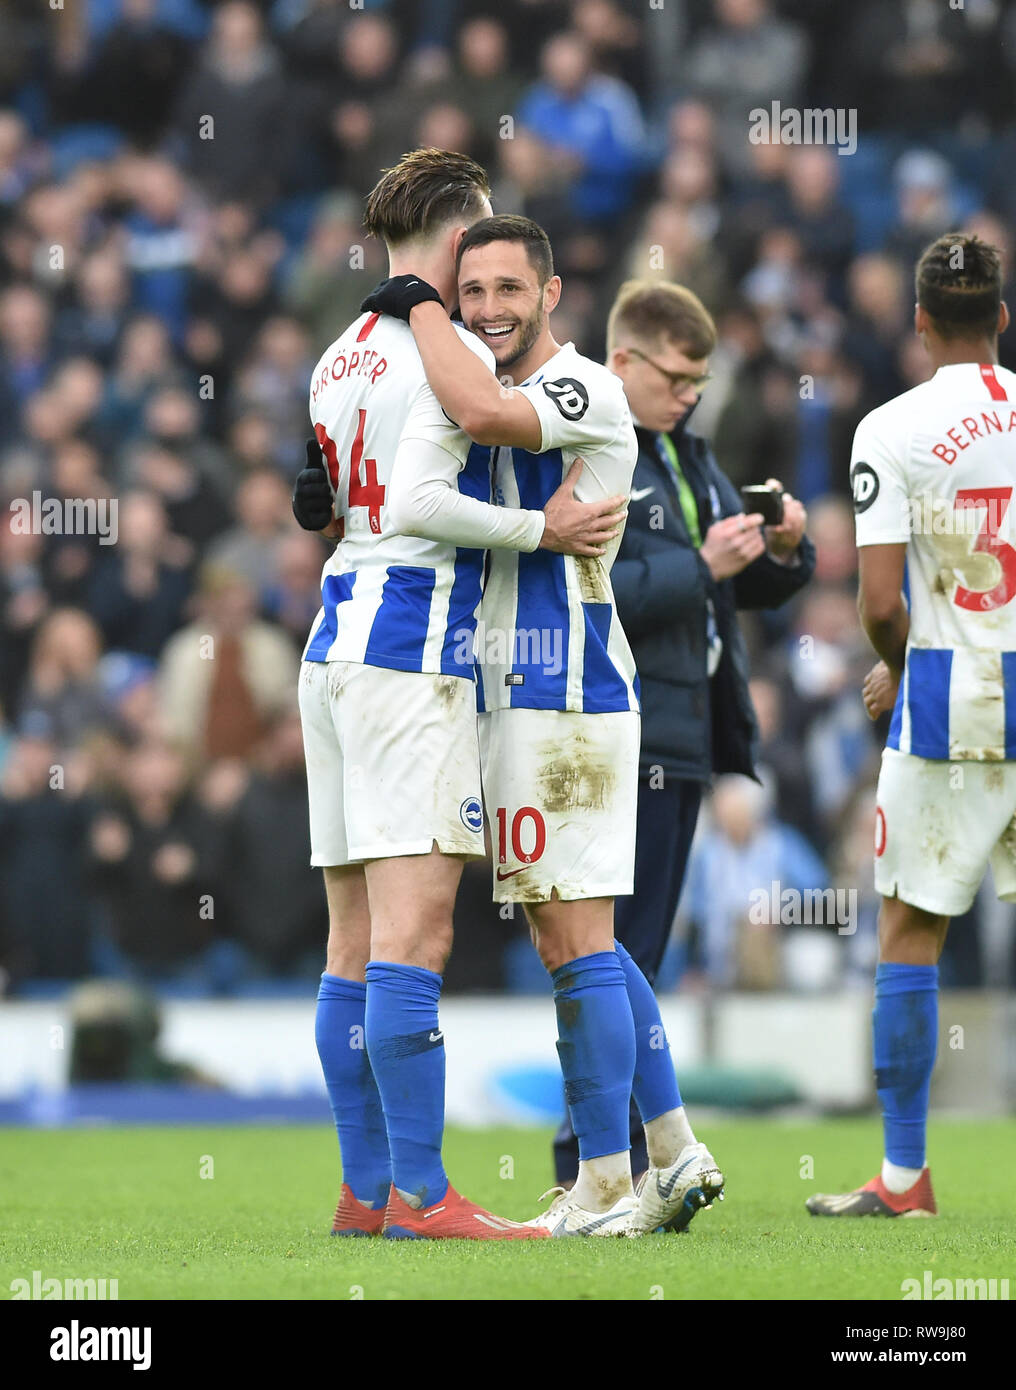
[(180, 194)]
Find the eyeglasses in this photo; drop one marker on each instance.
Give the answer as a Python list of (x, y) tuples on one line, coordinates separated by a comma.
[(677, 381)]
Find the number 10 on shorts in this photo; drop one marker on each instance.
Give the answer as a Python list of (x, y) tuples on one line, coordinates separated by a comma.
[(528, 833)]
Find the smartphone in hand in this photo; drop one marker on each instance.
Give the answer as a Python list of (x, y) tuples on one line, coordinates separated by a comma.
[(766, 501)]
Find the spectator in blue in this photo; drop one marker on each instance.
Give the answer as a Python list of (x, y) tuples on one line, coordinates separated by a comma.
[(45, 914), (150, 865), (162, 242), (26, 354), (91, 320), (592, 127), (138, 592), (62, 690), (747, 878)]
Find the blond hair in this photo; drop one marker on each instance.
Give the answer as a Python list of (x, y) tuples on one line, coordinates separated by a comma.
[(656, 311)]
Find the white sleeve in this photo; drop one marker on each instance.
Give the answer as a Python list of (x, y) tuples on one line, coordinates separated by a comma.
[(882, 507), (425, 501), (424, 497), (575, 412)]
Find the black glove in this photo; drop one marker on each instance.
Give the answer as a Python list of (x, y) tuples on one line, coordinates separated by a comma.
[(312, 497), (398, 295)]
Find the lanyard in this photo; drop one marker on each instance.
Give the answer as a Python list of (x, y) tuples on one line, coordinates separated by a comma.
[(685, 495), (714, 643)]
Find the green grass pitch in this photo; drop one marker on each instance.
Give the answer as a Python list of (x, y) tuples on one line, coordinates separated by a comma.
[(131, 1204)]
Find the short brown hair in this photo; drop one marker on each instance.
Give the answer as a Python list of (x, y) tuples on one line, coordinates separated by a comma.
[(657, 310), (959, 285), (509, 226), (426, 188)]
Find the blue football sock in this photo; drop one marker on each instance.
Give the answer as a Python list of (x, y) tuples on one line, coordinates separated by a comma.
[(596, 1045), (655, 1086), (407, 1053), (905, 1027), (352, 1090)]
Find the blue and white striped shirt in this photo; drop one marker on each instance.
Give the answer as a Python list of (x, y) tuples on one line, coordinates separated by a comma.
[(548, 635)]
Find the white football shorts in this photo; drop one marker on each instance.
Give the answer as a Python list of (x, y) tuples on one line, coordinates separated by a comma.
[(392, 763), (938, 825), (560, 792)]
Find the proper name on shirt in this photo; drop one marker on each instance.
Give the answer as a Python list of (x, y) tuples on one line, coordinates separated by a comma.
[(369, 363)]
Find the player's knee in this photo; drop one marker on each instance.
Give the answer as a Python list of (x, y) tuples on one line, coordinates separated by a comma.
[(421, 940), (437, 946), (558, 945), (346, 967), (910, 934), (347, 951), (549, 952)]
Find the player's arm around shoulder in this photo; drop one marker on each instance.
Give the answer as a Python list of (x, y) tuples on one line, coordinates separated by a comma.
[(463, 379), (424, 499)]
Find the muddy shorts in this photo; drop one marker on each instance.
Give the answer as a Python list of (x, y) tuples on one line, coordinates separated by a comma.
[(392, 763), (938, 825), (560, 792)]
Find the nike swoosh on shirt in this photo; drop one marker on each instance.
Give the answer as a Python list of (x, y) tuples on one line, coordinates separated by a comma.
[(638, 493), (511, 872)]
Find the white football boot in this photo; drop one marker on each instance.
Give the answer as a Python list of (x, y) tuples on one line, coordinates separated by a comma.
[(564, 1217), (668, 1198)]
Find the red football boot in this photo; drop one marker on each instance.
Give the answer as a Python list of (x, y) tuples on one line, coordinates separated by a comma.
[(453, 1218), (352, 1218), (875, 1199)]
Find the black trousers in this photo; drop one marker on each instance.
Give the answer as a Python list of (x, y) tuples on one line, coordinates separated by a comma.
[(665, 825)]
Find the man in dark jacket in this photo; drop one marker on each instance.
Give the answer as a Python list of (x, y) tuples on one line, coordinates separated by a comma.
[(689, 559)]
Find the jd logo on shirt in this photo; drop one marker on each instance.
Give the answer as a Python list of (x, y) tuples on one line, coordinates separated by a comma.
[(569, 395), (864, 485)]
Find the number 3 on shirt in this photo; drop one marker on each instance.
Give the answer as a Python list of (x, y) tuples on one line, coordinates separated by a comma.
[(369, 494), (996, 501)]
